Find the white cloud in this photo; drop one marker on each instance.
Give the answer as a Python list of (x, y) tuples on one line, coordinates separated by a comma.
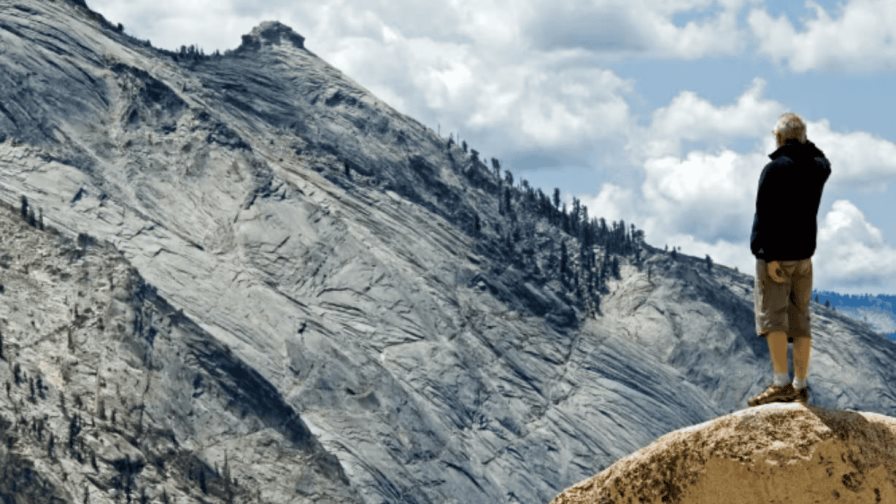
[(638, 27), (709, 196), (852, 253), (614, 203), (858, 159), (691, 118), (861, 37)]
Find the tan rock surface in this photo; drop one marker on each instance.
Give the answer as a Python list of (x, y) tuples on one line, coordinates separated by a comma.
[(776, 453)]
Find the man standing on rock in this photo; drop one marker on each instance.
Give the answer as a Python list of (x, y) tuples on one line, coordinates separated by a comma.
[(783, 241)]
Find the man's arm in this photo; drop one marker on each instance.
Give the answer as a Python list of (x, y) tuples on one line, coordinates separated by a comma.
[(767, 219), (766, 196), (827, 170)]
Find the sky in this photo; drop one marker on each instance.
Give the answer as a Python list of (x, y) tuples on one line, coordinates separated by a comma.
[(657, 112)]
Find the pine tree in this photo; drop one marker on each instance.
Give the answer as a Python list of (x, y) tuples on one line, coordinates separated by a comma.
[(228, 491), (708, 263), (557, 198), (564, 259), (507, 204), (202, 483), (564, 219)]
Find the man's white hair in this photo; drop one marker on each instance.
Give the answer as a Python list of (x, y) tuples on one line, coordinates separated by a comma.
[(790, 127)]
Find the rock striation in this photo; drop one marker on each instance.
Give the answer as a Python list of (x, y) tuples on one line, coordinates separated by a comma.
[(780, 452)]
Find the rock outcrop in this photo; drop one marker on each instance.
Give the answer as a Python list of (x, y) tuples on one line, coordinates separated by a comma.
[(780, 452)]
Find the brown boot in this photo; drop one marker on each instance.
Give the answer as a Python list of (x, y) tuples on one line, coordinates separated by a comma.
[(802, 395), (774, 393)]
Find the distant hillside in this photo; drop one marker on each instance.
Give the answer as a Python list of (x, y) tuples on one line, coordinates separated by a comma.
[(878, 311)]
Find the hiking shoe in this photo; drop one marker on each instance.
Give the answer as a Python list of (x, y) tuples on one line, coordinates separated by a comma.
[(774, 393), (802, 395)]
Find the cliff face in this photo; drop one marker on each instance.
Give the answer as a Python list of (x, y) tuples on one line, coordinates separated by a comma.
[(406, 302), (771, 453)]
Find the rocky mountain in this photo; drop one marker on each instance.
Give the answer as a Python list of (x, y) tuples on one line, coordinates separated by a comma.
[(878, 311), (346, 304), (782, 452)]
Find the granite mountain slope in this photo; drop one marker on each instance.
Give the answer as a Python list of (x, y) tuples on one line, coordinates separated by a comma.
[(413, 306), (113, 395)]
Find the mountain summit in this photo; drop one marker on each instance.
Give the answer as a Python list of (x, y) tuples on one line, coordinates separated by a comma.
[(272, 32), (258, 264)]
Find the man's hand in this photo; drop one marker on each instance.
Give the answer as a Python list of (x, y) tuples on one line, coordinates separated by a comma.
[(775, 272)]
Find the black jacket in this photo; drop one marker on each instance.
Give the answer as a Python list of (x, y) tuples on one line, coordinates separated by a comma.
[(784, 226)]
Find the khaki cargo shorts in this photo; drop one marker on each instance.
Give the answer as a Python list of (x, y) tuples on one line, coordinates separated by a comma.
[(784, 306)]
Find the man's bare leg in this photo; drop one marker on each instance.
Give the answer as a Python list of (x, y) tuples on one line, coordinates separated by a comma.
[(777, 348), (801, 349)]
